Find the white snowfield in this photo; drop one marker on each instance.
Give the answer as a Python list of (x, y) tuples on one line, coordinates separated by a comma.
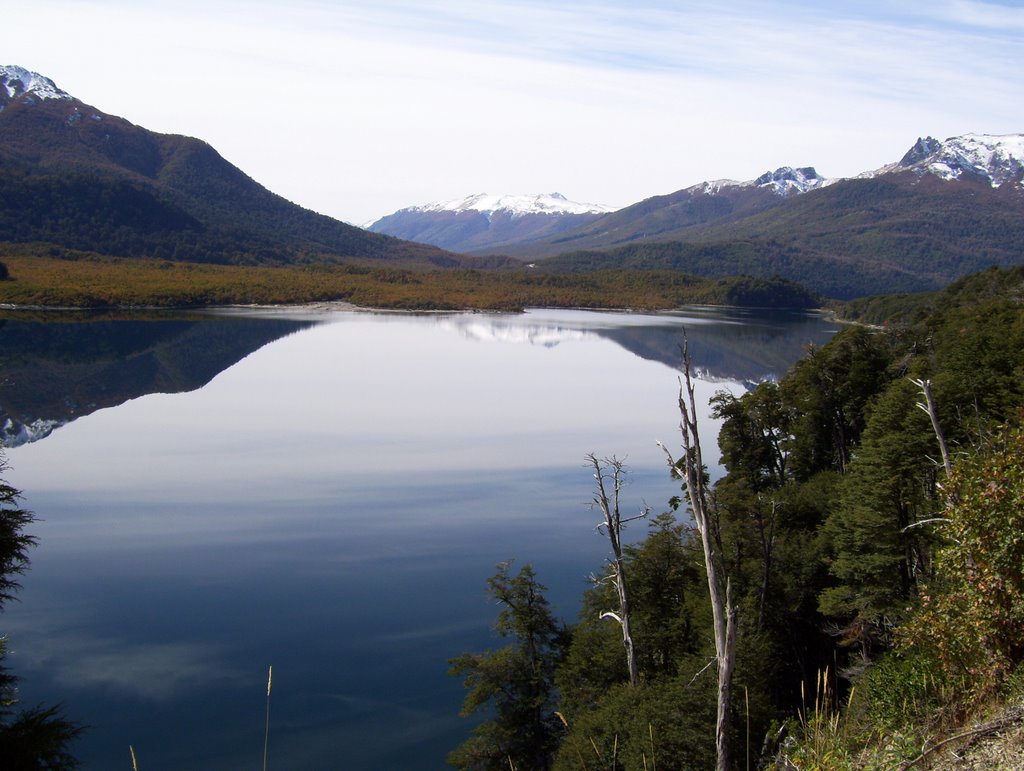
[(999, 158), (515, 205), (18, 81)]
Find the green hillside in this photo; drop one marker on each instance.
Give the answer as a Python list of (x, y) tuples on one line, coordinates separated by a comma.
[(77, 178)]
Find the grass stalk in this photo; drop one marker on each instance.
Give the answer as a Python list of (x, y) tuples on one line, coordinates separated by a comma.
[(650, 732), (266, 729)]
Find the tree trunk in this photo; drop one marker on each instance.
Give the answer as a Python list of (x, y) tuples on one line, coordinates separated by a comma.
[(611, 470), (933, 414), (722, 611)]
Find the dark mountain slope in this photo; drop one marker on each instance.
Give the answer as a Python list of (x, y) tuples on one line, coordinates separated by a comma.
[(75, 177), (665, 217), (897, 232)]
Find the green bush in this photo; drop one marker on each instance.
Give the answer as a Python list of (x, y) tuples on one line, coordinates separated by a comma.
[(973, 611)]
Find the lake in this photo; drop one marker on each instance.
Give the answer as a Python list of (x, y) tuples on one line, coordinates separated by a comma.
[(327, 493)]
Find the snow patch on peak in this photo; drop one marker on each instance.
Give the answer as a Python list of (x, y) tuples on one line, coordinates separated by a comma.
[(514, 205), (17, 81), (922, 148), (784, 181), (993, 158), (715, 186), (14, 434), (787, 180), (998, 159)]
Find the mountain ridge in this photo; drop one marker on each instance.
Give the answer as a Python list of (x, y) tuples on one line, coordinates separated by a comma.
[(76, 177), (481, 222), (996, 159)]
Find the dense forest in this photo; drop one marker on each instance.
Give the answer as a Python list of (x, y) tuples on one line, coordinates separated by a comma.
[(869, 533)]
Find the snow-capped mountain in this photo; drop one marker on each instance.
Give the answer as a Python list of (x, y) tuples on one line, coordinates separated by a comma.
[(16, 82), (997, 159), (789, 181), (784, 181), (484, 222), (514, 205)]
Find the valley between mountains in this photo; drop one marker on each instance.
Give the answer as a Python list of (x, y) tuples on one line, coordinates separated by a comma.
[(88, 199)]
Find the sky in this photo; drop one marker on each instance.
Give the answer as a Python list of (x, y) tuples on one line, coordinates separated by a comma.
[(357, 108)]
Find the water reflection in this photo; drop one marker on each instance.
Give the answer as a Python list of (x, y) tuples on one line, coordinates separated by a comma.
[(58, 367), (331, 504)]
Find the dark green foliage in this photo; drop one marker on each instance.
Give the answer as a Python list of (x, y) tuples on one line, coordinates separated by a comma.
[(663, 724), (670, 616), (890, 485), (755, 436), (36, 739), (903, 688), (14, 542), (828, 392), (515, 683), (665, 582), (772, 292)]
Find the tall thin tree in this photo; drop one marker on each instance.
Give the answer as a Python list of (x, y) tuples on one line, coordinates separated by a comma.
[(610, 476), (691, 468)]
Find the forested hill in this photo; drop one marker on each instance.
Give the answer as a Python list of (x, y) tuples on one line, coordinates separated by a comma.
[(893, 233), (77, 178), (879, 597)]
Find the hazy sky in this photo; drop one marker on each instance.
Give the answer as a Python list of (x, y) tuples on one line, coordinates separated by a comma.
[(356, 108)]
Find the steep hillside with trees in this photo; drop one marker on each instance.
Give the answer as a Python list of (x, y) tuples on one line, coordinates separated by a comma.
[(852, 558), (77, 178)]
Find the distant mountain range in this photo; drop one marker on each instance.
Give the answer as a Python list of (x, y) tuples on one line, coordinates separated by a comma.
[(944, 210), (77, 178), (487, 222), (74, 179)]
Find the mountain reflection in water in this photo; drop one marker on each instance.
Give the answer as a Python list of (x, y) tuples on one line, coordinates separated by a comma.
[(55, 367), (58, 367)]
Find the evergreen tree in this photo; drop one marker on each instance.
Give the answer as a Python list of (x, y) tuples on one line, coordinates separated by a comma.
[(874, 557), (514, 683)]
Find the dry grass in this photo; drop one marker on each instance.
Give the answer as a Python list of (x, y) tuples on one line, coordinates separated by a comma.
[(92, 281)]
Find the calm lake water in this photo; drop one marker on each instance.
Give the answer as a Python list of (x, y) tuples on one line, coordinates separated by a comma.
[(326, 493)]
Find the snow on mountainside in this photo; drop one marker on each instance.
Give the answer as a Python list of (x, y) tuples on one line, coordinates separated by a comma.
[(17, 81), (514, 205), (481, 222), (996, 159), (789, 181), (784, 181)]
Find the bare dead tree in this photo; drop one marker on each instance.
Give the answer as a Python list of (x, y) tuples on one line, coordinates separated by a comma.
[(929, 406), (610, 476), (691, 468)]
